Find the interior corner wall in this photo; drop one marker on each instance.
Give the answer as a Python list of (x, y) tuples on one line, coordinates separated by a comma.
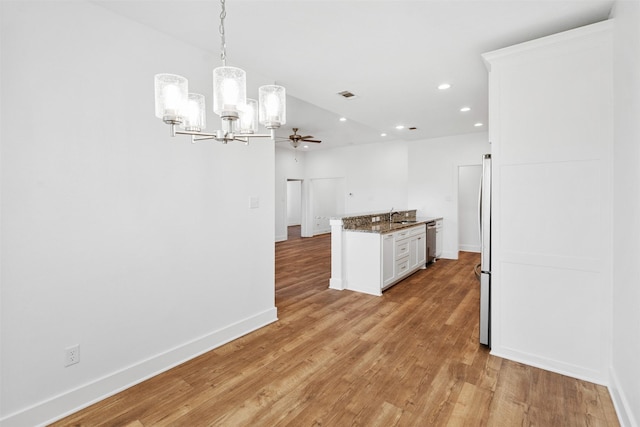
[(433, 179), (115, 236), (625, 370)]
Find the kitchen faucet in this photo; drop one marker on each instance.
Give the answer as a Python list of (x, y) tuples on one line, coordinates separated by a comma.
[(391, 214)]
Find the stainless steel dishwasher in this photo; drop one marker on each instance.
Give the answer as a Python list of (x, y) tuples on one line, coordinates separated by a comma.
[(431, 242)]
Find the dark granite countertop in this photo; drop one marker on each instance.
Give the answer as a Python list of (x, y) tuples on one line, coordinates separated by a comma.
[(385, 227)]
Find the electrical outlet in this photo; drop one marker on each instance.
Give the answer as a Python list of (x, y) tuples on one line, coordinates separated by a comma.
[(72, 355)]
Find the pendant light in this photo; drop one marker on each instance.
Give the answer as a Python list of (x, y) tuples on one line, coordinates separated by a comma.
[(239, 115)]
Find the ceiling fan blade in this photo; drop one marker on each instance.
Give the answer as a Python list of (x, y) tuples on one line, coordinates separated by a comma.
[(306, 136), (312, 140)]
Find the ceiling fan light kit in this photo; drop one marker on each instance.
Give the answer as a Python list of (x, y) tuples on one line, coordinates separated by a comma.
[(239, 115), (296, 139)]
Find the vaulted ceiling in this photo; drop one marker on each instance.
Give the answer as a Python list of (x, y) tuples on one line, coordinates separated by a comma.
[(392, 55)]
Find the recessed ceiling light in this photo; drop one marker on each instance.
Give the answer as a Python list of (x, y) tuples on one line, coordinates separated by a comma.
[(400, 127), (343, 119), (465, 109), (444, 86), (478, 124), (383, 134)]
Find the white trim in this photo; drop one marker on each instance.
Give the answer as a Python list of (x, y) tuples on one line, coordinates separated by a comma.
[(567, 369), (336, 284), (624, 410), (490, 58), (81, 397)]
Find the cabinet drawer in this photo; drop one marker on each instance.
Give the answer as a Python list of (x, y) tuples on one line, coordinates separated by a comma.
[(402, 267), (402, 249), (401, 234), (417, 230)]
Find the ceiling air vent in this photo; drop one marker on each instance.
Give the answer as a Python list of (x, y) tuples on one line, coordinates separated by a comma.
[(346, 94)]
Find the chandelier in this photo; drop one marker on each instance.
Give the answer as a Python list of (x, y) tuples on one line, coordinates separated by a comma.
[(239, 115)]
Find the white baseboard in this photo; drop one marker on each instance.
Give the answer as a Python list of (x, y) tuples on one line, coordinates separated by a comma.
[(470, 248), (281, 238), (620, 401), (337, 284), (74, 400), (321, 231), (569, 370)]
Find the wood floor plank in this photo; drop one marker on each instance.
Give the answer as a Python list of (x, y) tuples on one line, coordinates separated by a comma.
[(338, 358)]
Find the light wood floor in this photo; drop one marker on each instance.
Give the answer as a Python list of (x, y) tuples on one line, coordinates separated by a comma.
[(339, 358)]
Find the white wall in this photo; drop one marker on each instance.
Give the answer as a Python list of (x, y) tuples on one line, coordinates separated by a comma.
[(625, 369), (375, 174), (433, 179), (328, 199), (374, 177), (115, 236), (419, 174)]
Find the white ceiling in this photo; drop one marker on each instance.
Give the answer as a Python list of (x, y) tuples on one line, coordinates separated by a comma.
[(391, 54)]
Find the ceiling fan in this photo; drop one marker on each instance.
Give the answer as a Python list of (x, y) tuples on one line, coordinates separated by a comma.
[(296, 139)]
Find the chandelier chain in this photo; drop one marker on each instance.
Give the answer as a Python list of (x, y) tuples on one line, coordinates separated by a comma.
[(223, 41)]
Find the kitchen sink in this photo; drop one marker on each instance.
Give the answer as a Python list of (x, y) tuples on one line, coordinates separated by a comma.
[(404, 222)]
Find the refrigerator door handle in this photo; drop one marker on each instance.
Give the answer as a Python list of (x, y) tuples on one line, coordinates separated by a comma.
[(480, 210), (485, 215)]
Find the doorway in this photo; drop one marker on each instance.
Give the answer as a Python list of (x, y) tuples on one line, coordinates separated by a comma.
[(294, 208), (469, 178)]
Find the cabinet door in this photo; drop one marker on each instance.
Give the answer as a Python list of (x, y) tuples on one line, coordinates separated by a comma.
[(413, 252), (421, 250), (417, 257), (388, 259)]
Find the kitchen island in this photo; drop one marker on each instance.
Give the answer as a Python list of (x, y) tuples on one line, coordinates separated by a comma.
[(372, 252)]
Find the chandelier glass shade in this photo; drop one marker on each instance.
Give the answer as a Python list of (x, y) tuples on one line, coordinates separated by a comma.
[(229, 90), (194, 114), (171, 97)]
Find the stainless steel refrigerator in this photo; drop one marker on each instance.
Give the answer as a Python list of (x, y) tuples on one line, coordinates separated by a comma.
[(485, 251)]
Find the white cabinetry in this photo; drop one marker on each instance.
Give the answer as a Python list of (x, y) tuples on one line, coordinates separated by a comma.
[(418, 251), (388, 260), (374, 262)]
